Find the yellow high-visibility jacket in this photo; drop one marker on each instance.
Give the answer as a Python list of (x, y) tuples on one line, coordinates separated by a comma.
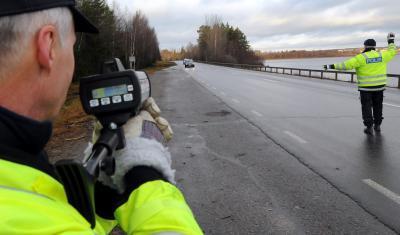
[(370, 67), (34, 203)]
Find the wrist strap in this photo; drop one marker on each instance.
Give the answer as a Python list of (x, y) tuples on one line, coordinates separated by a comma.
[(140, 175), (135, 178)]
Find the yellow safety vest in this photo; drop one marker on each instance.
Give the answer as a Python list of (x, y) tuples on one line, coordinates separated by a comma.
[(34, 203), (370, 67)]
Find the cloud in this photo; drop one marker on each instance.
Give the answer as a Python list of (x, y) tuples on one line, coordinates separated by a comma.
[(275, 24)]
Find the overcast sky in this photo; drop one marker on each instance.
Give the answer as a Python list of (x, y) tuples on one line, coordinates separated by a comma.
[(272, 25)]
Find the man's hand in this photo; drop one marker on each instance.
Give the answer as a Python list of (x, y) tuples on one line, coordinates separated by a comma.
[(390, 37), (150, 113)]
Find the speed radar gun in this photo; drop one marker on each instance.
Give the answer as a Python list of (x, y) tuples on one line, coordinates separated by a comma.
[(113, 98)]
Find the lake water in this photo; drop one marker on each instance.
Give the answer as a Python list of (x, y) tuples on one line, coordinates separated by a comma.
[(317, 63)]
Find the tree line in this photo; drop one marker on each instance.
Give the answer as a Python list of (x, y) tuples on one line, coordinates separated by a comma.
[(121, 35), (219, 42)]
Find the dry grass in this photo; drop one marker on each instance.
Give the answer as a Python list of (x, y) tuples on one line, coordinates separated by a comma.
[(72, 123), (72, 113), (159, 66)]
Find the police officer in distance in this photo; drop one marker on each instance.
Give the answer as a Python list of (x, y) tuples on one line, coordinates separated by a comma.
[(36, 68), (370, 67)]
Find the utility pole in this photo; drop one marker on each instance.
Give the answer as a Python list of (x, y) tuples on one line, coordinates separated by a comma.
[(133, 49), (215, 45), (132, 56)]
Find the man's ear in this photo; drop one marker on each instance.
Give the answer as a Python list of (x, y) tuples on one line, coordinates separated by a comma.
[(45, 44)]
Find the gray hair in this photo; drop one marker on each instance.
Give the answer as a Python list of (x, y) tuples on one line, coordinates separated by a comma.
[(17, 30)]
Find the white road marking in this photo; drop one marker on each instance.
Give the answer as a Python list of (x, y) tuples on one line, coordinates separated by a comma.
[(397, 106), (269, 80), (391, 195), (236, 101), (256, 113), (266, 76), (223, 93), (296, 137), (214, 88)]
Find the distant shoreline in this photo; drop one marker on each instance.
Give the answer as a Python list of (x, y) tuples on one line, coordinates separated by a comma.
[(308, 54), (317, 57)]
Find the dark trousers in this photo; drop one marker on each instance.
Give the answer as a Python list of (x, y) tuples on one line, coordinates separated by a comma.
[(371, 106)]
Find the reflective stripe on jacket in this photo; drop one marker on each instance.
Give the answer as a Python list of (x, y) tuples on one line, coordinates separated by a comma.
[(32, 202), (370, 66)]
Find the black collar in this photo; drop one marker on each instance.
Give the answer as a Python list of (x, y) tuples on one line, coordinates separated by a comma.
[(368, 49), (22, 141)]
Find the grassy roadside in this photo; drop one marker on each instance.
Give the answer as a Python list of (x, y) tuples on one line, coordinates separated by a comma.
[(160, 65), (73, 125)]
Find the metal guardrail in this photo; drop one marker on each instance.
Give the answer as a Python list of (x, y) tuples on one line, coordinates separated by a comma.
[(312, 73)]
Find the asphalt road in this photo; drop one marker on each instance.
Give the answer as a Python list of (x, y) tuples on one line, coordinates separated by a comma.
[(258, 153)]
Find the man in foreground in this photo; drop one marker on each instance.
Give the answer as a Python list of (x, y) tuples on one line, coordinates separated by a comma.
[(371, 72), (36, 68)]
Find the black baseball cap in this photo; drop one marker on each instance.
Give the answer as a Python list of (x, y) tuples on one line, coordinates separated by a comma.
[(370, 43), (14, 7)]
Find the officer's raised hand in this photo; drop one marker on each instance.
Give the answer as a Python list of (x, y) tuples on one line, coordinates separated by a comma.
[(390, 37)]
